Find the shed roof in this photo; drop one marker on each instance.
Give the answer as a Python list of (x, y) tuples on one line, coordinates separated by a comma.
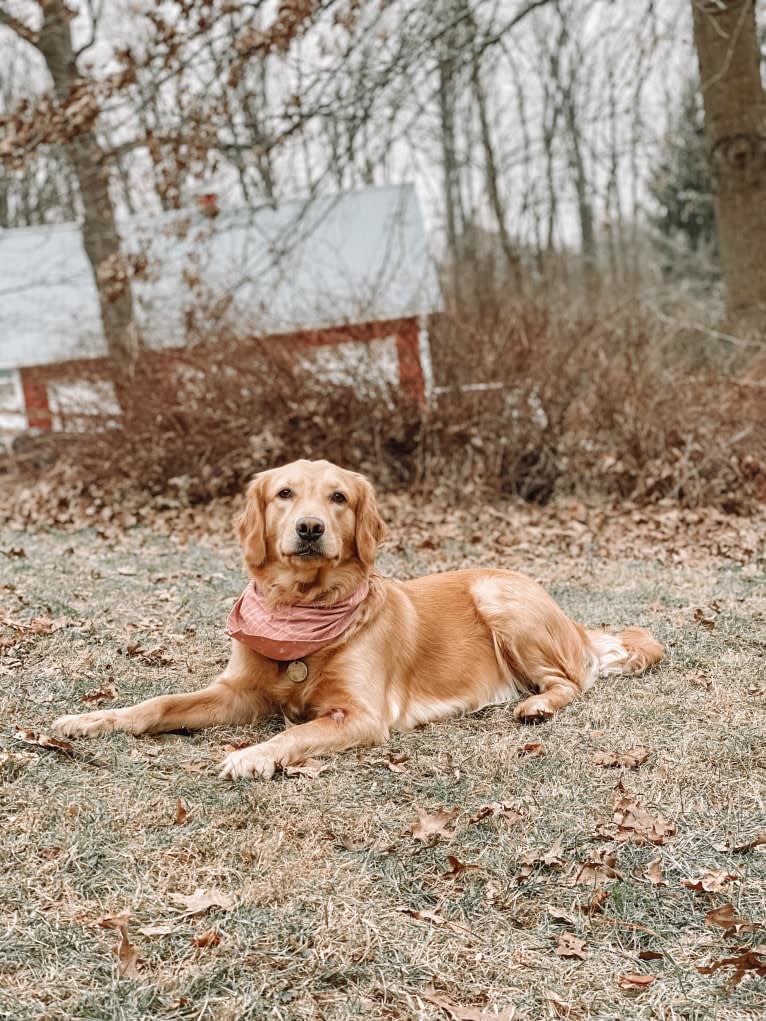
[(357, 256)]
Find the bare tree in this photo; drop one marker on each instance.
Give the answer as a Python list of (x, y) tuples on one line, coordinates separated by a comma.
[(101, 240)]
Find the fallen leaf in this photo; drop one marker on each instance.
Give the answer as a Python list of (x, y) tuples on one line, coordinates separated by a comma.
[(43, 741), (634, 822), (635, 982), (726, 917), (650, 955), (311, 769), (458, 1013), (654, 873), (595, 906), (607, 759), (155, 657), (435, 825), (211, 938), (713, 881), (571, 946), (759, 840), (114, 921), (747, 960), (106, 693), (598, 868), (704, 620), (434, 918), (534, 749), (202, 900), (497, 810), (394, 761), (128, 956), (182, 812), (530, 859), (634, 757), (630, 759), (560, 915), (14, 551), (458, 868)]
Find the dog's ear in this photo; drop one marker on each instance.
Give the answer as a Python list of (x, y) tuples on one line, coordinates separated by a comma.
[(370, 529), (251, 524)]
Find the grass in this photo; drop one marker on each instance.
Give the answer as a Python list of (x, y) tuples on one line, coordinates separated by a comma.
[(327, 881)]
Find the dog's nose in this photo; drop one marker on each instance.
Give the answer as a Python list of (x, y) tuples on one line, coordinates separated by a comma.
[(309, 529)]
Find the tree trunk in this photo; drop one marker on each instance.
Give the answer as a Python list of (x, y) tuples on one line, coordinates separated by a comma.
[(450, 169), (735, 125), (99, 230), (512, 258)]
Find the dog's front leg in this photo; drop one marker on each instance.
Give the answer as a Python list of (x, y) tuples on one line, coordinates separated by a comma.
[(236, 697), (333, 731)]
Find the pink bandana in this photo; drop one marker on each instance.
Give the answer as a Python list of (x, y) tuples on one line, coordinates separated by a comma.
[(289, 632)]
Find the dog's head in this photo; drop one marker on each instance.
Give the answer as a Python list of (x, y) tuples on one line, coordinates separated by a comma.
[(310, 530)]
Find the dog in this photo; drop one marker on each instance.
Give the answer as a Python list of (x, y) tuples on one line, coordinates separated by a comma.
[(347, 655)]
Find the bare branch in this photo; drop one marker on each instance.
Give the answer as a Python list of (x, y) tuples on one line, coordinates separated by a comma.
[(22, 31), (94, 10)]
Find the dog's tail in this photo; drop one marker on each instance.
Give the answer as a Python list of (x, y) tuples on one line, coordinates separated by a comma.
[(629, 652)]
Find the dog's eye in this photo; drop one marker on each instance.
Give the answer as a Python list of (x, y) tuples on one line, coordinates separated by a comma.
[(338, 498), (284, 494)]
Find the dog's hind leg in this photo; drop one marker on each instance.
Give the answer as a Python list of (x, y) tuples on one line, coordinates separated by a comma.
[(545, 654)]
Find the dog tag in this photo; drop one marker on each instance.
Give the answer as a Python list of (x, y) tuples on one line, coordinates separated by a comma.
[(297, 671)]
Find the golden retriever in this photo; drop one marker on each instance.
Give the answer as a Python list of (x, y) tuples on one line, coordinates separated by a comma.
[(347, 655)]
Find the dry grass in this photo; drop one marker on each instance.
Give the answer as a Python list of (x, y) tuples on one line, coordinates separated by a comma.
[(322, 870)]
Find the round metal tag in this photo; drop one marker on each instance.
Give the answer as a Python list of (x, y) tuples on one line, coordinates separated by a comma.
[(297, 671)]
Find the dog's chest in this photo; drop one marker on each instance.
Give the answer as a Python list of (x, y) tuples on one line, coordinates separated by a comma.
[(296, 690)]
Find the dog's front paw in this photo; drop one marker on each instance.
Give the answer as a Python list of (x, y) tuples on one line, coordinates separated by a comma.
[(86, 724), (252, 761), (533, 710)]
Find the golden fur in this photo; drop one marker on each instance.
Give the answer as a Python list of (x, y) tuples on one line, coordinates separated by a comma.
[(416, 651)]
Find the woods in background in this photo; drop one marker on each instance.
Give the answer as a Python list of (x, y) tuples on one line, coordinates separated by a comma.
[(552, 139)]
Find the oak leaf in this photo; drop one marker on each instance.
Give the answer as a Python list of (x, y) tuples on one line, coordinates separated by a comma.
[(458, 868), (43, 741), (726, 917), (433, 825), (746, 960), (635, 822), (202, 900), (311, 769), (571, 946), (106, 693), (597, 869), (713, 881), (497, 810)]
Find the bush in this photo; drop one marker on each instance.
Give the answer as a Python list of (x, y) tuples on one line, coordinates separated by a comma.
[(532, 402)]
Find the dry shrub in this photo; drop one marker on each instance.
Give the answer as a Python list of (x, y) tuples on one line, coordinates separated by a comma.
[(603, 405), (530, 402)]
